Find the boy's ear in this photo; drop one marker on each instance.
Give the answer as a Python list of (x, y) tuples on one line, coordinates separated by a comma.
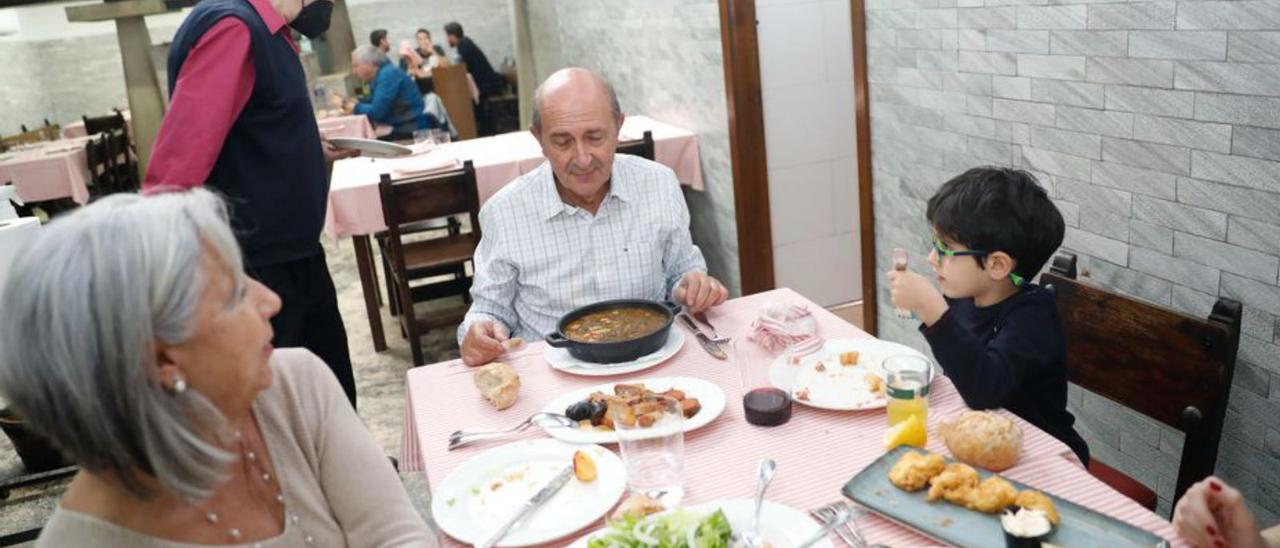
[(999, 265)]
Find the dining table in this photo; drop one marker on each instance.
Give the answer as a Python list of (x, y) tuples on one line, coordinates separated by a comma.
[(77, 129), (355, 207), (345, 125), (48, 170), (816, 452)]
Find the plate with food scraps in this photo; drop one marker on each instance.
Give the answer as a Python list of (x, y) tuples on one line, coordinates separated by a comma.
[(483, 492), (371, 148), (881, 487), (702, 401), (560, 360), (780, 525), (843, 375)]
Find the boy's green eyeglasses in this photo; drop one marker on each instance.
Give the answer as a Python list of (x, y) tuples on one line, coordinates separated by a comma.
[(942, 250)]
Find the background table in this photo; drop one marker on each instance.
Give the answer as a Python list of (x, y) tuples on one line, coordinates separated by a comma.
[(350, 125), (817, 452), (48, 171), (76, 129), (355, 208)]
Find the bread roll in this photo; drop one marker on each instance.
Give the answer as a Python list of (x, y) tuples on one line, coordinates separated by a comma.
[(498, 383), (983, 439)]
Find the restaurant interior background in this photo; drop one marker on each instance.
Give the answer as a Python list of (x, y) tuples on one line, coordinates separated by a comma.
[(1155, 125)]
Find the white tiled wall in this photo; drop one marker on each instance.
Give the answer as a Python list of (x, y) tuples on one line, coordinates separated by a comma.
[(806, 69)]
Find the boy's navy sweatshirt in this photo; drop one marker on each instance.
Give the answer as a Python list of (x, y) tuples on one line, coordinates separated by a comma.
[(1012, 355)]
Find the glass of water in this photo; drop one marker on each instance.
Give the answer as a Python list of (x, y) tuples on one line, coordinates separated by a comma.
[(424, 136), (442, 136), (651, 438)]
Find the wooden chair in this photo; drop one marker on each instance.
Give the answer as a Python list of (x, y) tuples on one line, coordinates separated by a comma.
[(123, 161), (451, 85), (417, 199), (1166, 365), (24, 138), (110, 122), (52, 132), (642, 147), (102, 172)]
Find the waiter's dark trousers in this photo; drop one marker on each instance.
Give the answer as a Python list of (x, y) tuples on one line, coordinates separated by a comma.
[(309, 315)]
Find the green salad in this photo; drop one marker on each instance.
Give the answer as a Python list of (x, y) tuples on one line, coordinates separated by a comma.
[(677, 529)]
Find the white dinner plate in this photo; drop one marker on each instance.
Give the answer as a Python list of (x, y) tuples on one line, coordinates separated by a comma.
[(837, 387), (483, 492), (371, 147), (780, 525), (560, 359), (709, 395)]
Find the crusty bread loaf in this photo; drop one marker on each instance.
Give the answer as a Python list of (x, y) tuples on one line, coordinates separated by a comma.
[(498, 383), (983, 439)]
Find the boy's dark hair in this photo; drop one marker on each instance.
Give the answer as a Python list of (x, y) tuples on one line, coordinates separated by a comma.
[(999, 209), (377, 36), (454, 28), (424, 31)]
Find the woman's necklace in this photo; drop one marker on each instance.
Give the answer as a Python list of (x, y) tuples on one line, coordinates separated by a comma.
[(256, 472)]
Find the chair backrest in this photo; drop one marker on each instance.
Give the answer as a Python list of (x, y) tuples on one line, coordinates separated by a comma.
[(101, 170), (428, 197), (123, 162), (1164, 364), (642, 147), (99, 124), (451, 85)]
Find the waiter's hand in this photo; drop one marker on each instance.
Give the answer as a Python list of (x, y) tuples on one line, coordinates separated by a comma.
[(332, 153)]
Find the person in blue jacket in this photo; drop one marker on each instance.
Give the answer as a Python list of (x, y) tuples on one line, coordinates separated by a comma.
[(394, 101)]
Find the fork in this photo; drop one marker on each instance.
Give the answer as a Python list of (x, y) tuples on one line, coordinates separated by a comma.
[(715, 335), (851, 534), (463, 437)]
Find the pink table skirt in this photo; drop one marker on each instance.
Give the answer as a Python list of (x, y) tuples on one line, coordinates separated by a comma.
[(52, 170), (817, 452), (355, 208), (354, 125)]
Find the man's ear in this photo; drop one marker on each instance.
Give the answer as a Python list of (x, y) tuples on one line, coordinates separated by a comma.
[(1000, 265), (537, 135)]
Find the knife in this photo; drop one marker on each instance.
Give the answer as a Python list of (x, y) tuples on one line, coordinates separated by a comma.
[(709, 345), (534, 502)]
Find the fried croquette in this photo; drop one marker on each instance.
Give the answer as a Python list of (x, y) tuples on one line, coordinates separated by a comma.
[(913, 470), (1036, 500), (992, 495), (953, 484)]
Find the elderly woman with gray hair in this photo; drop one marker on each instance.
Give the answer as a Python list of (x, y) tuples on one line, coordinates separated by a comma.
[(135, 342)]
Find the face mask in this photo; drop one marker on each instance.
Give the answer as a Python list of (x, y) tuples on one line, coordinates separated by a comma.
[(313, 20)]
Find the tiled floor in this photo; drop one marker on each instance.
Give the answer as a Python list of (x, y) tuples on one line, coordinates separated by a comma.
[(379, 385)]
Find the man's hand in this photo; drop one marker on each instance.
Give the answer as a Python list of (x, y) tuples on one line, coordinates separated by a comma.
[(332, 153), (697, 292), (484, 342), (913, 292)]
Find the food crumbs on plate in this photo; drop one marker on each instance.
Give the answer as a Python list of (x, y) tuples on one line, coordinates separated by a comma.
[(475, 490), (450, 501), (946, 522), (820, 367), (495, 486), (849, 359), (802, 394)]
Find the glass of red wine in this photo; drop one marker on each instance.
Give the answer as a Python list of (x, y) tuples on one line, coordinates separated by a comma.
[(763, 403)]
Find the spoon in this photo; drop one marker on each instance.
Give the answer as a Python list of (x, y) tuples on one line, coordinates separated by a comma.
[(752, 537)]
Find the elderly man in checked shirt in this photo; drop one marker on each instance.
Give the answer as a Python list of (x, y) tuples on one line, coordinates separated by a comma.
[(583, 227)]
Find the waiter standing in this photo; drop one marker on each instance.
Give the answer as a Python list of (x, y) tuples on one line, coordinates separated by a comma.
[(240, 121)]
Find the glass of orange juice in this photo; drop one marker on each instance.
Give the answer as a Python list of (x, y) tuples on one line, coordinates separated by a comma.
[(907, 385)]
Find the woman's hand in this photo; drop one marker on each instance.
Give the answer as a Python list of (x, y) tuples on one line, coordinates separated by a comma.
[(914, 292), (1212, 514)]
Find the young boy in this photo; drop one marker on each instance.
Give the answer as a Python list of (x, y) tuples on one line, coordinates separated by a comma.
[(996, 334)]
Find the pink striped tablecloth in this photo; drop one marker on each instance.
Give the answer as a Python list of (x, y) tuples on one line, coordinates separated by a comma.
[(355, 208), (351, 125), (48, 171), (817, 452)]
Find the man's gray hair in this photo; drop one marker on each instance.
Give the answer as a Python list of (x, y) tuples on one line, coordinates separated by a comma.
[(369, 55), (83, 310), (536, 119)]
